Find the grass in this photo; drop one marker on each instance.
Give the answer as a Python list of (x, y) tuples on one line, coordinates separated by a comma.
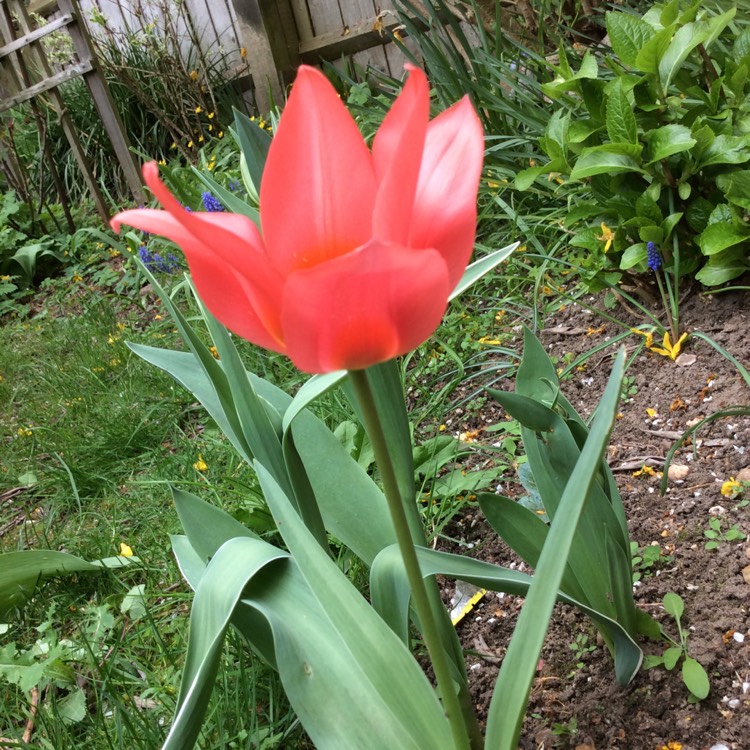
[(94, 436)]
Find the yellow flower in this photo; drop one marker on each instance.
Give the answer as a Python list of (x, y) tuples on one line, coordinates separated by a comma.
[(645, 470), (200, 139), (646, 334), (193, 75), (210, 128), (77, 277), (24, 432), (214, 351), (243, 52), (221, 134), (198, 109), (200, 464), (211, 115), (731, 487), (190, 144), (651, 412), (667, 349), (125, 551), (607, 237), (487, 341), (162, 162)]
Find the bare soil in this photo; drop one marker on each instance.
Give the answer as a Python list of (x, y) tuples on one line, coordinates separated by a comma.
[(582, 707)]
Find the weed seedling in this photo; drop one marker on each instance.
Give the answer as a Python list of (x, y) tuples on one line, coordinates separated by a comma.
[(580, 647), (646, 559), (693, 674), (716, 536)]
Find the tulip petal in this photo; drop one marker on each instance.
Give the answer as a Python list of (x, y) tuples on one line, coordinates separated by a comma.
[(318, 186), (224, 245), (363, 308), (230, 297), (397, 156), (445, 209)]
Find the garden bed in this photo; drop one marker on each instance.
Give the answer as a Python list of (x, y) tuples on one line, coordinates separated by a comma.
[(575, 701)]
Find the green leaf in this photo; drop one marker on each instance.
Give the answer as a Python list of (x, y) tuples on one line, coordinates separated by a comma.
[(216, 597), (527, 411), (695, 678), (686, 39), (723, 267), (718, 237), (726, 149), (373, 664), (668, 140), (72, 708), (621, 124), (653, 50), (21, 572), (603, 162), (671, 657), (311, 390), (564, 82), (674, 605), (254, 142), (519, 665), (627, 35), (736, 187), (480, 267), (206, 526), (634, 256), (134, 602)]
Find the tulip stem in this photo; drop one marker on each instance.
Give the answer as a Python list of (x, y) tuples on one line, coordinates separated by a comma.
[(420, 599)]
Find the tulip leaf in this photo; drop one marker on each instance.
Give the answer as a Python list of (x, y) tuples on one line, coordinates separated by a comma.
[(480, 267), (189, 561), (216, 596), (353, 507), (390, 596), (22, 571), (384, 684), (254, 142), (217, 388), (519, 665), (529, 412), (312, 389), (206, 526)]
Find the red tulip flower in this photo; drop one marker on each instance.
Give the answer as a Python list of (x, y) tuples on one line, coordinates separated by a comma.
[(359, 249)]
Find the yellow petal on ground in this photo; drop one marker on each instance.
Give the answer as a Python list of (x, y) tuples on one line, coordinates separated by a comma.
[(125, 551)]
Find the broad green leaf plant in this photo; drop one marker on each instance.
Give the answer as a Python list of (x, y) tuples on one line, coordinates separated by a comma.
[(658, 129)]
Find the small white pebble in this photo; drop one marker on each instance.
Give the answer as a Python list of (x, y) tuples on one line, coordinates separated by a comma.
[(739, 637), (719, 746), (734, 703), (475, 667)]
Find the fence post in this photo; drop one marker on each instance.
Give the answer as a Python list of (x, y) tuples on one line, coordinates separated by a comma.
[(269, 35)]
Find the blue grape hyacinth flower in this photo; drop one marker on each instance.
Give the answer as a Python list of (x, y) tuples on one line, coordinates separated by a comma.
[(211, 202), (653, 257), (156, 263)]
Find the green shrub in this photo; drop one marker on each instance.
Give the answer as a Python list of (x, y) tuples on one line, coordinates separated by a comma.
[(660, 134)]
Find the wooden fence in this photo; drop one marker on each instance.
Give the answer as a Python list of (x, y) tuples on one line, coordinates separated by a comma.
[(272, 37)]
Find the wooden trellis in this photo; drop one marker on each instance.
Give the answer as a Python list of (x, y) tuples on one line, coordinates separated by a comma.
[(26, 75), (281, 34)]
